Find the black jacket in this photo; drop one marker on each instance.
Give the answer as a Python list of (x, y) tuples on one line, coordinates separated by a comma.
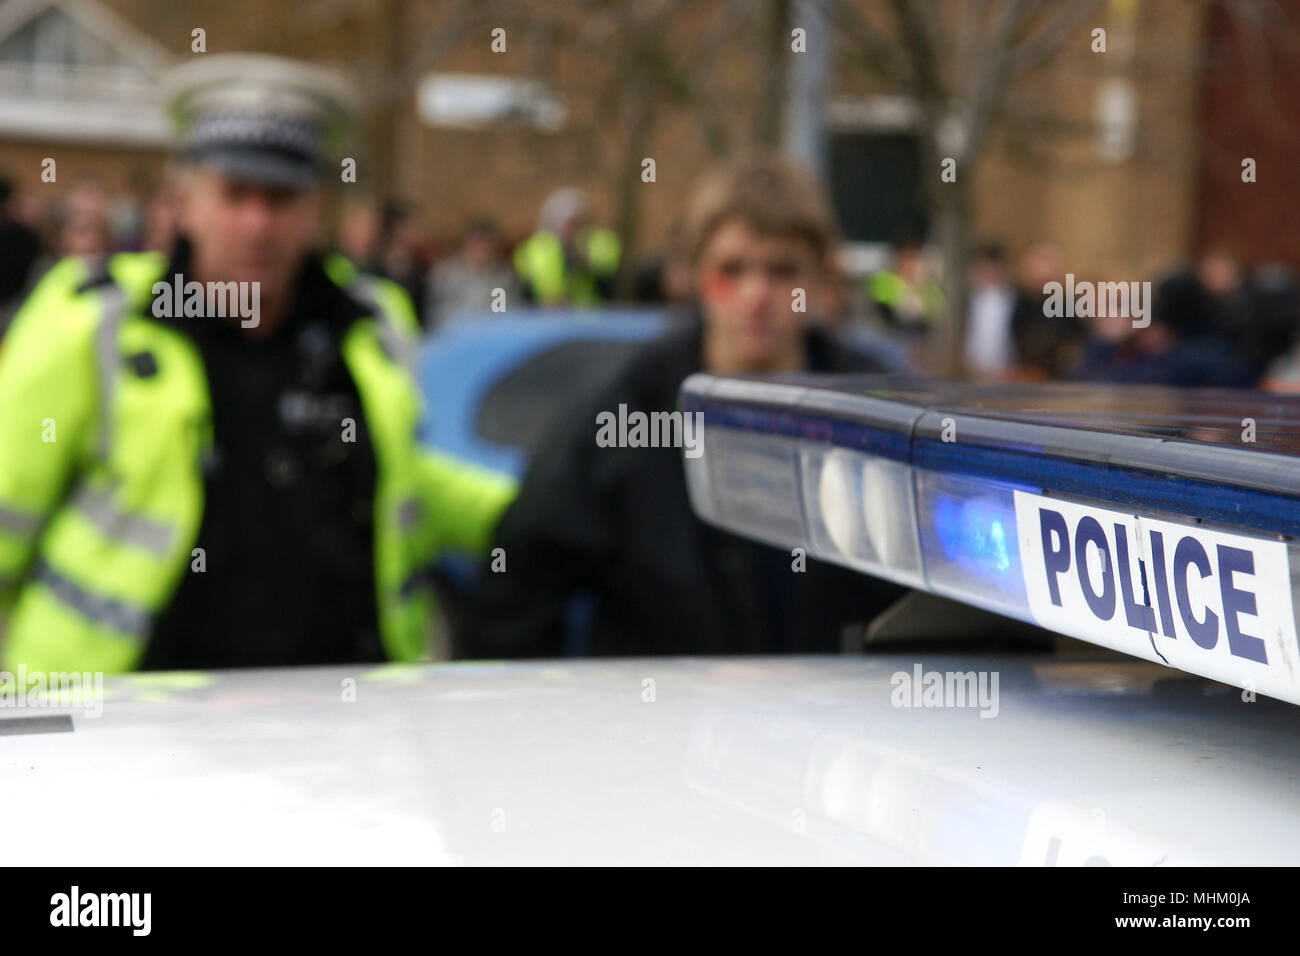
[(287, 531), (615, 526)]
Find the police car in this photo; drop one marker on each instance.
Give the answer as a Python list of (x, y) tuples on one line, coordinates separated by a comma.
[(1141, 526)]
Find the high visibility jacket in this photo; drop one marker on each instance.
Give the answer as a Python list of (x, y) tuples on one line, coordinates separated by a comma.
[(101, 470), (908, 304), (540, 262)]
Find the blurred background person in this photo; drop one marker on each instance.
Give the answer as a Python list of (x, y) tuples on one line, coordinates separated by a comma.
[(568, 261), (467, 280), (906, 295), (85, 232), (990, 339), (85, 225), (358, 233), (401, 253), (20, 247), (1251, 316), (611, 528), (1180, 346), (1275, 315), (1047, 347), (158, 230), (1209, 299), (125, 219), (386, 241), (1213, 325), (1159, 355), (665, 277), (1278, 295)]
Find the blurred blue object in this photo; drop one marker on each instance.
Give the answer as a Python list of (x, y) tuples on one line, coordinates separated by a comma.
[(495, 384)]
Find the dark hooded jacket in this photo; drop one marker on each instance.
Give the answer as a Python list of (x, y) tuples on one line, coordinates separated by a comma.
[(604, 555)]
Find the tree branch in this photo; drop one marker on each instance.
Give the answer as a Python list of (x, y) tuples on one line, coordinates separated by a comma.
[(872, 46), (1047, 41), (988, 85)]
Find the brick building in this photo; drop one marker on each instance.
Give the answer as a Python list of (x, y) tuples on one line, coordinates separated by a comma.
[(1127, 159)]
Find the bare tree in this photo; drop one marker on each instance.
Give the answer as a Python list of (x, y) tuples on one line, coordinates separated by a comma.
[(649, 58), (957, 62), (661, 56)]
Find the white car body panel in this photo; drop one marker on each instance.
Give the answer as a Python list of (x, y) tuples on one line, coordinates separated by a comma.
[(673, 761)]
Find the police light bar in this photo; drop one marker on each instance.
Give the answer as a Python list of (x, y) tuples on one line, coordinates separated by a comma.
[(1164, 523)]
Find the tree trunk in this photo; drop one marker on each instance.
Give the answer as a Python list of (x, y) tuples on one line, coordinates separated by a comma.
[(775, 44), (383, 102), (949, 203), (638, 127), (953, 231)]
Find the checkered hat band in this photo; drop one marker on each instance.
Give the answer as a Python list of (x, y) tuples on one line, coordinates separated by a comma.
[(254, 131)]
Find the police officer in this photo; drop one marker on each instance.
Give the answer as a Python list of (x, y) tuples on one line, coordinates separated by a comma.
[(209, 458), (567, 261)]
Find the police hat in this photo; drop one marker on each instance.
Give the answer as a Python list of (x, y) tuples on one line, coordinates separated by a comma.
[(257, 118)]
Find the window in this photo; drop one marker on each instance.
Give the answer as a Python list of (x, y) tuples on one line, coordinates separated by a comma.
[(76, 72), (875, 180), (473, 101)]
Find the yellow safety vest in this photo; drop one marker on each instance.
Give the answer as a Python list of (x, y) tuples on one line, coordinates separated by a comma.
[(101, 482), (540, 262)]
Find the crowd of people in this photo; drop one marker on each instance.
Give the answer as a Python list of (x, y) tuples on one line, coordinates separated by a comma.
[(221, 494), (1215, 322)]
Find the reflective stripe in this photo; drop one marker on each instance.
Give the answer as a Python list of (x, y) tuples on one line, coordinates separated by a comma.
[(409, 513), (104, 611), (112, 304), (366, 289), (418, 580), (99, 508), (19, 522)]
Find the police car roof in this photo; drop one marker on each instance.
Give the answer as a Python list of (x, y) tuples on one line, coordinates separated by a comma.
[(798, 760)]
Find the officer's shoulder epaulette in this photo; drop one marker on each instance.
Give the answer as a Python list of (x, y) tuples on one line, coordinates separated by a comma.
[(55, 310), (61, 285), (96, 273), (65, 276), (131, 271), (374, 292), (137, 272)]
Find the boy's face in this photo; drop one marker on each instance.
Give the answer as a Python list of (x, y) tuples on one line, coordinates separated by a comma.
[(746, 282)]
